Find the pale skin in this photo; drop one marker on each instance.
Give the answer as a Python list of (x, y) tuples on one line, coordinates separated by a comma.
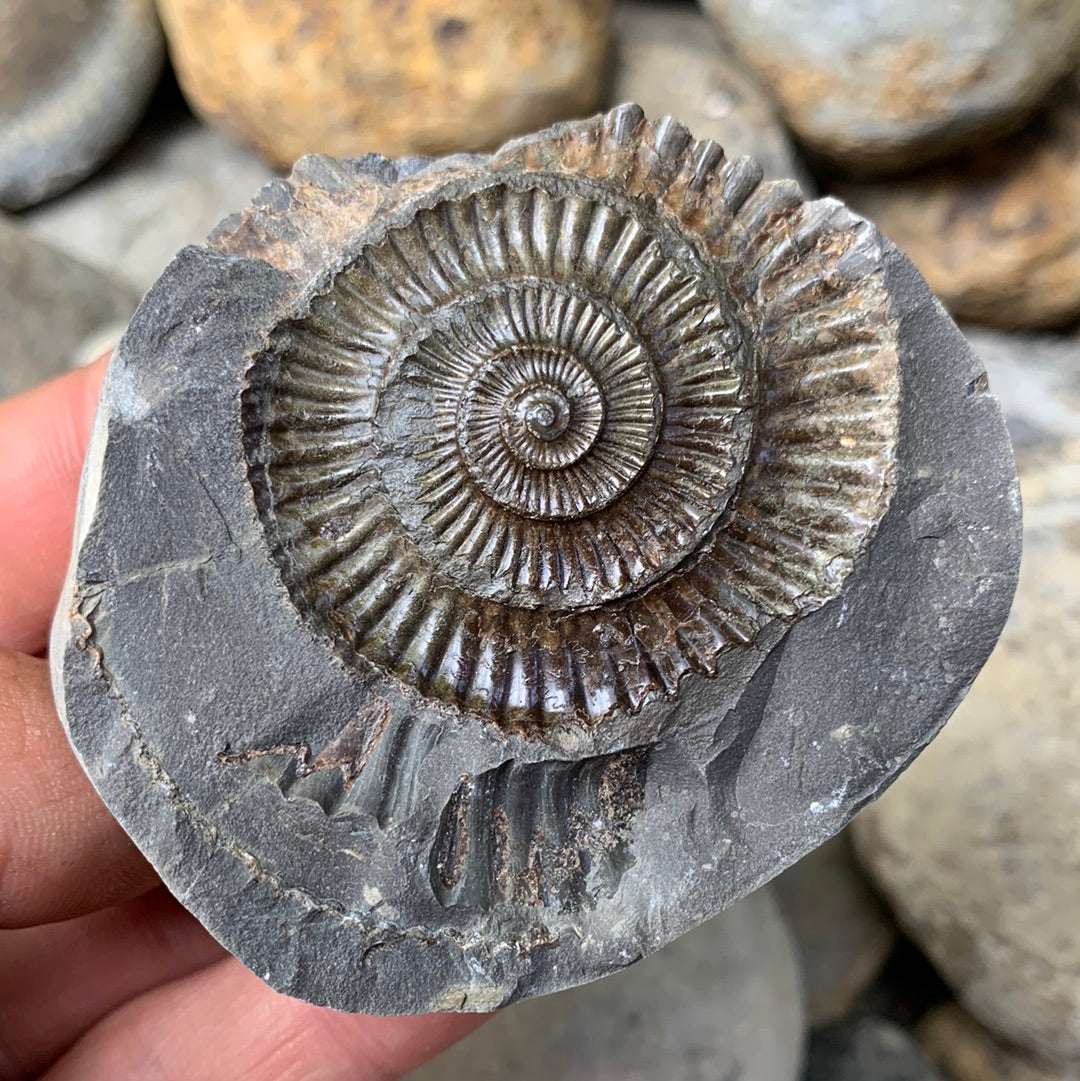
[(102, 973)]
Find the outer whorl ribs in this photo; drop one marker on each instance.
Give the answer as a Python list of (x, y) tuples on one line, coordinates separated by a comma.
[(577, 419)]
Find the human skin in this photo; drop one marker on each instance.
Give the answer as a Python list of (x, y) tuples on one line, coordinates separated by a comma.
[(102, 973)]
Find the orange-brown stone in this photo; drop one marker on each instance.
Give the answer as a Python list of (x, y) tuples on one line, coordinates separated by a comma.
[(965, 1051), (346, 77), (997, 235)]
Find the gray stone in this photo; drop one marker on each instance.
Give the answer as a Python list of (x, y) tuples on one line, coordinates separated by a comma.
[(880, 86), (866, 1049), (1036, 377), (400, 761), (977, 846), (843, 931), (173, 183), (669, 60), (50, 308), (75, 77), (723, 1001), (965, 1051)]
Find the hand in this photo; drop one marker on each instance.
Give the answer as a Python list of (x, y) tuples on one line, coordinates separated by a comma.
[(103, 976)]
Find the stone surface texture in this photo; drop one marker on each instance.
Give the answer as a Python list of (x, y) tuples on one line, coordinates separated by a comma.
[(439, 772), (866, 1049), (75, 76), (843, 931), (879, 86), (349, 77), (174, 182), (966, 1051), (977, 846), (998, 234), (669, 60), (50, 306), (723, 1001)]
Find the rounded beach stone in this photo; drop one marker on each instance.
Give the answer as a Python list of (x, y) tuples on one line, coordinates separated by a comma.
[(843, 931), (965, 1051), (724, 1001), (866, 1049), (516, 536), (346, 77), (997, 235), (878, 87), (168, 187), (75, 77), (1035, 376), (977, 846)]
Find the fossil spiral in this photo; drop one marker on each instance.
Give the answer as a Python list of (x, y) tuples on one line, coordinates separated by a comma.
[(575, 420)]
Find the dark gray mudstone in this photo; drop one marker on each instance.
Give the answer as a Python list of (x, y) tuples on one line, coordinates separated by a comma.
[(866, 1049), (363, 845), (75, 77), (51, 307), (722, 1002)]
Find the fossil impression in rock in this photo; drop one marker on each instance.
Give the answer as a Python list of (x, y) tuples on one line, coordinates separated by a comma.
[(533, 553)]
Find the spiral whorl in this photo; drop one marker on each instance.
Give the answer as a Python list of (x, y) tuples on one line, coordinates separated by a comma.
[(574, 421)]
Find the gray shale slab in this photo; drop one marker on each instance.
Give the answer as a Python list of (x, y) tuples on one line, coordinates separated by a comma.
[(436, 663)]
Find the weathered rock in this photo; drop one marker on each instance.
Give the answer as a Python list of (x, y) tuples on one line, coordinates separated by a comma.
[(866, 1049), (843, 931), (977, 847), (669, 60), (347, 77), (878, 87), (965, 1051), (169, 187), (997, 235), (447, 730), (722, 1002), (50, 306), (75, 76)]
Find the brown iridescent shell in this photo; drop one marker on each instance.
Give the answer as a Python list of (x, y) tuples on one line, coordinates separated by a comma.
[(577, 419)]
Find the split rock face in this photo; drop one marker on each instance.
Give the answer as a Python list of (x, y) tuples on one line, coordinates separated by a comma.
[(489, 568)]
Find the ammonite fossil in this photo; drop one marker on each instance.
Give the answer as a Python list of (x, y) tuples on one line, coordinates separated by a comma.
[(532, 554)]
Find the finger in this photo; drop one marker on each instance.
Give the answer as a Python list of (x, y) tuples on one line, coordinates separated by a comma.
[(61, 852), (58, 981), (224, 1024), (43, 436)]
